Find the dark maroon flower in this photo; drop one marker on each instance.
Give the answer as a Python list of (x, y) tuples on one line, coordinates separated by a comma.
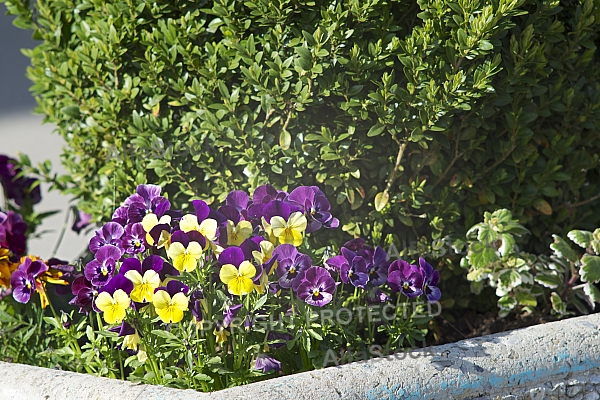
[(317, 286), (84, 294), (18, 188), (405, 278)]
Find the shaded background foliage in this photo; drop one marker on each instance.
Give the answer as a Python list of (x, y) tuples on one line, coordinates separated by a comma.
[(413, 117)]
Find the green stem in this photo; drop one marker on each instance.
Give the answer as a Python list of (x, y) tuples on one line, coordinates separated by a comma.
[(62, 233)]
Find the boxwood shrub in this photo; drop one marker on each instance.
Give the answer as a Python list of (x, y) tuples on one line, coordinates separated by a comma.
[(414, 117)]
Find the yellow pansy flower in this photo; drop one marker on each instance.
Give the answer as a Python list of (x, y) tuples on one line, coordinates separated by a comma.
[(238, 280), (208, 227), (185, 258), (290, 231), (149, 222), (170, 309), (114, 307), (143, 286), (236, 234)]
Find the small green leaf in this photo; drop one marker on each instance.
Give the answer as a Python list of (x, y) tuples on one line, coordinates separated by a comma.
[(526, 299), (375, 130), (381, 200), (548, 280), (592, 292), (590, 268), (562, 249), (581, 238), (285, 139), (507, 303), (557, 304), (481, 255)]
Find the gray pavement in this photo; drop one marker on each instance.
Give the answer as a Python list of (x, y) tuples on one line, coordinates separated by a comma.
[(22, 131)]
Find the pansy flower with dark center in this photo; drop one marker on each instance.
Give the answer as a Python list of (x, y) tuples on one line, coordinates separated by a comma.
[(377, 267), (405, 278), (431, 278), (265, 363), (109, 235), (290, 269), (113, 299), (134, 241), (317, 286), (236, 272), (100, 270), (316, 207), (352, 268), (144, 276), (171, 301), (24, 280)]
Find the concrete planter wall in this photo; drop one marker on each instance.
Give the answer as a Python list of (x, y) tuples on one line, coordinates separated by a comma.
[(559, 360)]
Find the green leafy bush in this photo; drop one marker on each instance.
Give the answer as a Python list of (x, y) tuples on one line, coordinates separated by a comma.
[(416, 116)]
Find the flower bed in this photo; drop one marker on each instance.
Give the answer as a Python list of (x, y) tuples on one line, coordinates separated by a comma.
[(222, 297)]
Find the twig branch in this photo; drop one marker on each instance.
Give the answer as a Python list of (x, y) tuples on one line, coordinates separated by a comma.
[(396, 166)]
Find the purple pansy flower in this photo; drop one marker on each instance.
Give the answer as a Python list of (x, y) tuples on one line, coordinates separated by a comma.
[(195, 305), (352, 268), (100, 270), (23, 280), (265, 363), (146, 200), (316, 207), (405, 278), (229, 313), (134, 241), (82, 220), (109, 235), (378, 266), (317, 286), (431, 278), (289, 270)]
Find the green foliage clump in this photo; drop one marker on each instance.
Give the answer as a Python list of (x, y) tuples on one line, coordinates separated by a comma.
[(524, 281), (416, 116)]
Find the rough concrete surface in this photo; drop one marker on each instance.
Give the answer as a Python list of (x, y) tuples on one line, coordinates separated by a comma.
[(559, 360)]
